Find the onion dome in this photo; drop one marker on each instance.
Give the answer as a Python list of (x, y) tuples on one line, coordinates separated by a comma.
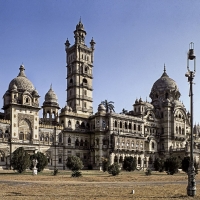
[(21, 82), (51, 98), (165, 87), (101, 108)]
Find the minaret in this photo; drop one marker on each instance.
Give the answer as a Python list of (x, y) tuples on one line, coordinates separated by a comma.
[(79, 61)]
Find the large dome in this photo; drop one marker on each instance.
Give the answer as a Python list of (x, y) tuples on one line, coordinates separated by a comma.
[(21, 82), (164, 82), (165, 87)]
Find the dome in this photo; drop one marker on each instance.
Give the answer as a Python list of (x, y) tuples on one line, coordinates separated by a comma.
[(101, 107), (165, 86), (21, 82), (164, 82), (51, 97)]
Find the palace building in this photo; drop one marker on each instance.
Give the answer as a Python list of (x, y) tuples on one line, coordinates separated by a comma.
[(159, 128)]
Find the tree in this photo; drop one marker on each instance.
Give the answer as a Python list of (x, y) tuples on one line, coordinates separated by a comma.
[(124, 111), (129, 163), (105, 164), (159, 165), (172, 164), (185, 165), (114, 169), (42, 161), (74, 163), (20, 160), (108, 105)]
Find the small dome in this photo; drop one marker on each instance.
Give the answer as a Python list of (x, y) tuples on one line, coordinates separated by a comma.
[(140, 100), (35, 93), (101, 107), (136, 101), (51, 97), (21, 82)]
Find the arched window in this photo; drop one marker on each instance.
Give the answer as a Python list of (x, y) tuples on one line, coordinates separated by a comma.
[(139, 161), (71, 81), (179, 130), (130, 126), (176, 130), (86, 69), (69, 140), (125, 125), (41, 137), (183, 131), (77, 142), (138, 127), (81, 142), (116, 124), (134, 127), (27, 100), (82, 125), (69, 123), (120, 124), (115, 159), (152, 145), (53, 115), (48, 114), (84, 81)]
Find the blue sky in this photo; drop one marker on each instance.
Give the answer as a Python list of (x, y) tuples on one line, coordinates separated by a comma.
[(134, 38)]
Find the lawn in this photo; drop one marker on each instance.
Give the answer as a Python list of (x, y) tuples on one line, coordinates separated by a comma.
[(94, 185)]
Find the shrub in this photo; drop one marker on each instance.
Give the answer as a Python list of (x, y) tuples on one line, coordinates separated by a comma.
[(42, 161), (172, 164), (148, 172), (129, 163), (55, 171), (105, 164), (20, 160), (185, 164), (159, 165), (74, 163), (114, 169)]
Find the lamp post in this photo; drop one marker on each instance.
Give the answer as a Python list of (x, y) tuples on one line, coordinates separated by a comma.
[(191, 188)]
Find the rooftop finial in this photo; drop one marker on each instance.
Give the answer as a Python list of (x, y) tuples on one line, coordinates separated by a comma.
[(80, 20), (51, 86), (21, 73), (164, 68)]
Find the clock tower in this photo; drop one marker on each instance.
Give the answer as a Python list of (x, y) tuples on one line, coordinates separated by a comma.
[(79, 59)]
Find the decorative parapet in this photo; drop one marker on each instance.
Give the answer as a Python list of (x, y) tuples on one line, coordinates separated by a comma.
[(4, 121), (50, 126)]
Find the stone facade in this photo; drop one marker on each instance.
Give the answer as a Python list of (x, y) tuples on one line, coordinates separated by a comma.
[(159, 128)]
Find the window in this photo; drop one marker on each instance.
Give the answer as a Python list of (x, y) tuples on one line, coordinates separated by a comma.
[(1, 133), (116, 124), (86, 69), (134, 127), (138, 127), (69, 123), (60, 138), (77, 142), (120, 124), (71, 81), (152, 145), (85, 92), (139, 161), (21, 136), (86, 142), (60, 159), (85, 104), (69, 141), (81, 143), (129, 126), (27, 100), (84, 81), (125, 125)]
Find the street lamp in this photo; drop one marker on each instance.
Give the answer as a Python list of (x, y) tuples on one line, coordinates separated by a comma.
[(191, 188)]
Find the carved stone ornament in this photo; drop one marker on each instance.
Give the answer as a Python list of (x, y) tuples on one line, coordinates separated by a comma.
[(30, 118)]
